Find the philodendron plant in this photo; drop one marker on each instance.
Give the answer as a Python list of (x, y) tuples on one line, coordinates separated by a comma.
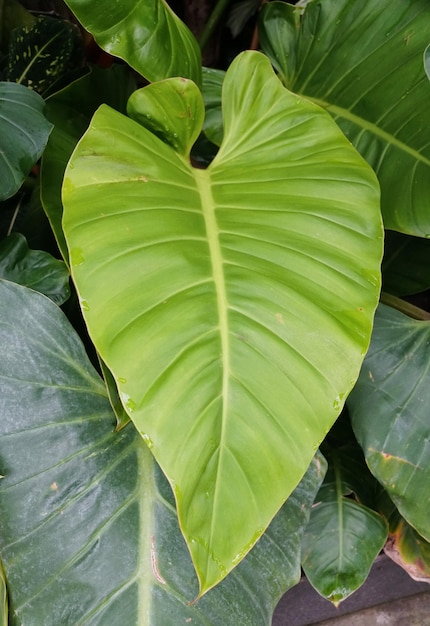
[(224, 236)]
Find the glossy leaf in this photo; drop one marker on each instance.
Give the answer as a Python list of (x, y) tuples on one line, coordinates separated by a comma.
[(89, 533), (70, 110), (218, 298), (389, 412), (146, 34), (362, 61), (406, 264), (24, 132), (33, 268), (41, 53), (343, 537)]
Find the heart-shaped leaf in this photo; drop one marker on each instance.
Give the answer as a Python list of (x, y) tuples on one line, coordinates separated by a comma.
[(24, 132), (146, 34), (233, 304), (389, 412), (89, 533), (362, 60)]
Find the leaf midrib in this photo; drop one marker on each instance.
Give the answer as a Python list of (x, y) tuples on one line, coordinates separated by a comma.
[(369, 126), (203, 181)]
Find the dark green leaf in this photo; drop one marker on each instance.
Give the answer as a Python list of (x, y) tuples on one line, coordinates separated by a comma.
[(24, 132), (343, 537), (89, 533), (146, 34), (33, 268), (406, 264), (42, 53), (70, 111), (211, 90), (362, 60), (389, 412), (240, 13), (12, 15)]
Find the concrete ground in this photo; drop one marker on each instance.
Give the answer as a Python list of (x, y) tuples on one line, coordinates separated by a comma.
[(389, 597)]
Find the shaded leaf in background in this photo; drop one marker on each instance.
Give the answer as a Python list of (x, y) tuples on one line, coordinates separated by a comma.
[(40, 54), (70, 111), (33, 268), (89, 532), (211, 91), (146, 34), (12, 15), (389, 412), (406, 264), (343, 537), (362, 61), (219, 297), (240, 13), (24, 131)]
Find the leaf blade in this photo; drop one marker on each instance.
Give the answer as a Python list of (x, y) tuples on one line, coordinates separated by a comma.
[(140, 32), (24, 131), (89, 532), (236, 336), (379, 103), (396, 444)]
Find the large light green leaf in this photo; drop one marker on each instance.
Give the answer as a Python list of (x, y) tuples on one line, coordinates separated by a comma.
[(233, 304), (89, 533), (33, 268), (362, 60), (145, 33), (70, 110), (389, 409), (343, 537), (24, 132)]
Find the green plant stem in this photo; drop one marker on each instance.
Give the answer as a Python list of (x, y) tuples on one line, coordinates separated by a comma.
[(404, 307), (212, 22)]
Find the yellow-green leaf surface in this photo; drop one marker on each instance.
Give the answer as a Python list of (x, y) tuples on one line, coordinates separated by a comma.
[(234, 304), (145, 33), (362, 60)]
